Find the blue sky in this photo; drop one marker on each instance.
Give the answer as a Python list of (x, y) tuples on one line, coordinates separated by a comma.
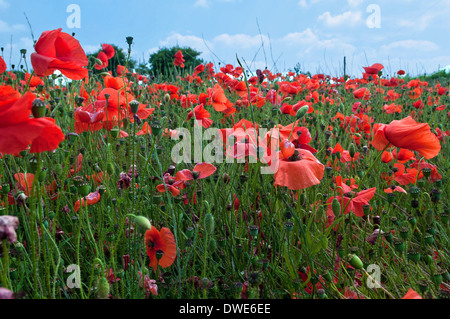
[(409, 34)]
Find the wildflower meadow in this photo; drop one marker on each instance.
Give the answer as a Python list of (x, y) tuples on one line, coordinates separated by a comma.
[(213, 182)]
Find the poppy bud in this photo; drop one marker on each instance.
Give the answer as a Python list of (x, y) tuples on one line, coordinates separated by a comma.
[(98, 61), (143, 224), (352, 150), (134, 106), (302, 111), (103, 288), (209, 223), (42, 176), (167, 98), (336, 206), (38, 108)]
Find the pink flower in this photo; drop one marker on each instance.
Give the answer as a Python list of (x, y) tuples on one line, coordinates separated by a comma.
[(8, 225), (6, 293)]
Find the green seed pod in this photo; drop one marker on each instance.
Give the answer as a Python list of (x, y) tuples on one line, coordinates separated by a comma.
[(399, 245), (413, 255), (38, 108), (83, 189), (115, 132), (134, 106), (429, 239), (103, 288)]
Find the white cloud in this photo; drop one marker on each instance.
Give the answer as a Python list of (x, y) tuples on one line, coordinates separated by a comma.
[(411, 46), (5, 27), (201, 3), (349, 18), (308, 41)]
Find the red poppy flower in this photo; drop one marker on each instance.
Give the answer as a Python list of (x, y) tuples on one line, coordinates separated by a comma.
[(88, 121), (362, 93), (405, 176), (409, 134), (374, 69), (56, 50), (200, 171), (163, 241), (395, 189), (2, 65), (108, 50), (18, 130), (172, 186), (179, 61), (90, 199), (411, 294), (354, 204), (202, 116), (301, 170), (104, 59), (25, 182), (219, 101)]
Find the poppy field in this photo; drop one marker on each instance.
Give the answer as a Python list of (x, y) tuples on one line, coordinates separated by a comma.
[(217, 183)]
